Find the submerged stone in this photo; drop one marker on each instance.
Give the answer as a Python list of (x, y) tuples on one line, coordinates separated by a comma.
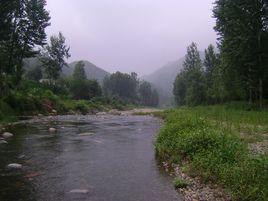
[(14, 166), (7, 135)]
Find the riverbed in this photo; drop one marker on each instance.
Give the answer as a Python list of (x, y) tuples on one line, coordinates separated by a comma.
[(89, 158)]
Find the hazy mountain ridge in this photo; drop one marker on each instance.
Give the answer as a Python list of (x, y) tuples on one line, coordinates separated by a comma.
[(92, 71), (164, 77)]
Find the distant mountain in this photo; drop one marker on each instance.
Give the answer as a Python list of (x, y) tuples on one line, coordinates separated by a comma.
[(92, 71), (164, 77)]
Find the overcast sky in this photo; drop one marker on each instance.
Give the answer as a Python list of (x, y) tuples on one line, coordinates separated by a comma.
[(132, 35)]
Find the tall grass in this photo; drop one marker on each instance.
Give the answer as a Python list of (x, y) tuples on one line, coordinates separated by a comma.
[(208, 139)]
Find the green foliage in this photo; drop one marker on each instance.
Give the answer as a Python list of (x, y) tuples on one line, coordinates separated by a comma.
[(53, 57), (24, 24), (148, 96), (79, 71), (214, 149), (189, 86), (121, 85), (35, 74), (84, 89), (242, 27), (179, 183)]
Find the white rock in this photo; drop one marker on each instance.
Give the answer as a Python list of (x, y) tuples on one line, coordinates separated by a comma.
[(82, 191), (54, 111), (52, 130), (3, 142), (14, 166), (7, 135)]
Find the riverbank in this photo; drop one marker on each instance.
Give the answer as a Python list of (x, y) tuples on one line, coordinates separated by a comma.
[(216, 153)]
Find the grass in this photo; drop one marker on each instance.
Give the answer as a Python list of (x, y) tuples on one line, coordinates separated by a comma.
[(179, 183), (210, 139)]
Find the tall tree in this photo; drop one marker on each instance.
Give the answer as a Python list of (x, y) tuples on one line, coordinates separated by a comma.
[(79, 71), (242, 27), (53, 57), (192, 89), (23, 30), (121, 85)]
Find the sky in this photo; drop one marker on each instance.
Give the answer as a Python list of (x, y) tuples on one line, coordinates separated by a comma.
[(132, 35)]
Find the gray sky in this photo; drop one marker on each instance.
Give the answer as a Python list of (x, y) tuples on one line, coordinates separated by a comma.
[(132, 35)]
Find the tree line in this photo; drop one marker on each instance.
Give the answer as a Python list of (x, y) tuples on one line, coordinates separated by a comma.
[(129, 88), (238, 70), (22, 35)]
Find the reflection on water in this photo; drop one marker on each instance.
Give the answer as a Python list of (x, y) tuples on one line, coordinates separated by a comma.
[(116, 163)]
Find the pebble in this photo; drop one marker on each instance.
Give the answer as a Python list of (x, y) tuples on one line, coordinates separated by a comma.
[(14, 166), (7, 135)]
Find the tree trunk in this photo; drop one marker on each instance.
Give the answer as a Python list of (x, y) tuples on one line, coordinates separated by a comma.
[(260, 93)]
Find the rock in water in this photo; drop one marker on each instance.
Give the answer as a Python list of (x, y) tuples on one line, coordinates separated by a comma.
[(52, 130), (80, 191), (14, 166), (7, 135), (3, 142)]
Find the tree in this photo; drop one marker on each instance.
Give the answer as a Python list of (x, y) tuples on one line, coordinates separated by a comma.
[(79, 71), (155, 98), (53, 57), (24, 23), (121, 85), (179, 89), (35, 74), (145, 92), (211, 65), (84, 89), (243, 29), (189, 86)]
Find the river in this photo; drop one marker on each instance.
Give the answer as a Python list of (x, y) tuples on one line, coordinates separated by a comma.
[(89, 158)]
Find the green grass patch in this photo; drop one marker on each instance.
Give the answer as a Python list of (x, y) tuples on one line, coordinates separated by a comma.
[(209, 138), (179, 183)]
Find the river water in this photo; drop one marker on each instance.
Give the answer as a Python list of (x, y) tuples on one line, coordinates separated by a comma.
[(113, 160)]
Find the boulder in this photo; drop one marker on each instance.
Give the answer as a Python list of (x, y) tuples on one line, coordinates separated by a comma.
[(7, 135), (14, 166)]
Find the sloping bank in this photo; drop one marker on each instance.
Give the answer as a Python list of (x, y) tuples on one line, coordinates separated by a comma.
[(212, 152)]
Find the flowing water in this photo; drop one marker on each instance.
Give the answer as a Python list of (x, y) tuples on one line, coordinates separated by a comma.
[(113, 160)]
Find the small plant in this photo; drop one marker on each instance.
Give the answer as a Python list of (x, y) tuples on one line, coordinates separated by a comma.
[(179, 183)]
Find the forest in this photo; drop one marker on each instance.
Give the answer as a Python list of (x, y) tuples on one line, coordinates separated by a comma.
[(237, 70)]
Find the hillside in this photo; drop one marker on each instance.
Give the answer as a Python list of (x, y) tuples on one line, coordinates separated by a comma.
[(163, 79), (92, 71)]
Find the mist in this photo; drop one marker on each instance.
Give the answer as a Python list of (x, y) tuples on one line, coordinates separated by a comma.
[(126, 36)]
